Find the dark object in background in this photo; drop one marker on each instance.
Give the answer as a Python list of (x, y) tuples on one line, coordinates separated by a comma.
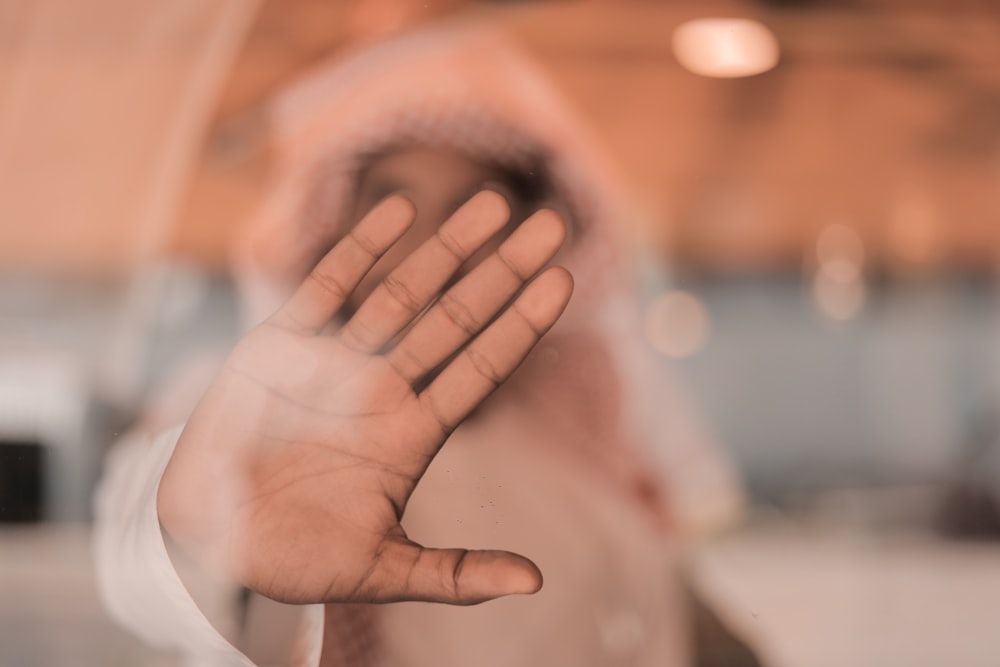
[(971, 505), (22, 481), (970, 511)]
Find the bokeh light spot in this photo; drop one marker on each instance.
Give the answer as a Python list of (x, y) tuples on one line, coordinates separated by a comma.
[(676, 324), (725, 48)]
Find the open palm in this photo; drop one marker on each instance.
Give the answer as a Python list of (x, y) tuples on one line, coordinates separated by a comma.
[(294, 471)]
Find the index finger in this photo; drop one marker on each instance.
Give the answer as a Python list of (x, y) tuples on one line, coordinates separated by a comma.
[(331, 281)]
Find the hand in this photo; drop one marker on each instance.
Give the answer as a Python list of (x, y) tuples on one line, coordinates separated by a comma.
[(295, 468)]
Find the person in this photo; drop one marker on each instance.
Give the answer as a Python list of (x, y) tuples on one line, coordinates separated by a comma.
[(420, 185)]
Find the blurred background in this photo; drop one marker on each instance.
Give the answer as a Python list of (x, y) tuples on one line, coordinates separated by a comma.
[(817, 195)]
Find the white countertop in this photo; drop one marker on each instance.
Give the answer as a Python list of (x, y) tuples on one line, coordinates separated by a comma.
[(813, 597)]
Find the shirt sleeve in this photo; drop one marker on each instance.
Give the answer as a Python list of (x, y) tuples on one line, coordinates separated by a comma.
[(137, 581)]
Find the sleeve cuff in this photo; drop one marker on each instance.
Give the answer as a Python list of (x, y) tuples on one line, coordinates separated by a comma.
[(137, 581)]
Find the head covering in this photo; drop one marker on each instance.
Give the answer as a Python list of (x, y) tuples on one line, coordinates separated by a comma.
[(471, 91), (467, 90)]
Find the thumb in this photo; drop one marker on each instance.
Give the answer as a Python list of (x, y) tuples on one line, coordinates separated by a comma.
[(408, 571)]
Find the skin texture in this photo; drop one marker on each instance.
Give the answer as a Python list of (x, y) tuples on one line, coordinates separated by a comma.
[(294, 471)]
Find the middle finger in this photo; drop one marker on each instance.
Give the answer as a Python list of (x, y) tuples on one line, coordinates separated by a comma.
[(412, 285)]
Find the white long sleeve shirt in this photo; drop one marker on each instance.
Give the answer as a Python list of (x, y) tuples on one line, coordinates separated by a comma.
[(138, 581)]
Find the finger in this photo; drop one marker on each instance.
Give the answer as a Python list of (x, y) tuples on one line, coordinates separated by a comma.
[(332, 280), (470, 305), (417, 280), (408, 571), (496, 352)]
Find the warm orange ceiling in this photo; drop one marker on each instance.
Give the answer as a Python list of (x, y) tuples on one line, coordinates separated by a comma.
[(870, 115), (883, 115)]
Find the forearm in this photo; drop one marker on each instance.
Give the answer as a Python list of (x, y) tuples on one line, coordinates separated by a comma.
[(138, 582)]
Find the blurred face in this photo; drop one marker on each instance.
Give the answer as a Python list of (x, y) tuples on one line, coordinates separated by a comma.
[(437, 182)]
